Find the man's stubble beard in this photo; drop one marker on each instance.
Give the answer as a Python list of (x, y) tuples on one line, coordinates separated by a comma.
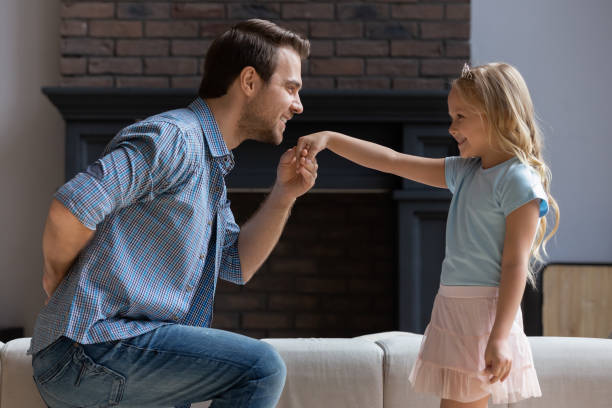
[(253, 125)]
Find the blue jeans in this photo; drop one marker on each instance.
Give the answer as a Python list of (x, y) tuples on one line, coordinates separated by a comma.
[(173, 365)]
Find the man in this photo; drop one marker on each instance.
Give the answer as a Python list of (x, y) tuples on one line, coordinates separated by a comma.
[(133, 246)]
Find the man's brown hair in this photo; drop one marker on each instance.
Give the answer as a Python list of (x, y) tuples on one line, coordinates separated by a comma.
[(252, 43)]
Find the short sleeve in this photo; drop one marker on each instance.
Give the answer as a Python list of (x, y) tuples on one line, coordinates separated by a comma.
[(521, 185), (454, 169), (143, 160), (231, 269)]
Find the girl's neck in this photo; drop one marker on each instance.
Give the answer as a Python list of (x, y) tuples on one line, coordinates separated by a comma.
[(493, 158)]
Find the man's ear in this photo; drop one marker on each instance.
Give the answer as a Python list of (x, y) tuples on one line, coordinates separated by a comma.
[(249, 81)]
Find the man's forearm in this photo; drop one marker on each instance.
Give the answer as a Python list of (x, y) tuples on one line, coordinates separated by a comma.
[(261, 233), (63, 239)]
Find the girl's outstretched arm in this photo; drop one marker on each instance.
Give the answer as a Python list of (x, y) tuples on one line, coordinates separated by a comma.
[(421, 169), (521, 226)]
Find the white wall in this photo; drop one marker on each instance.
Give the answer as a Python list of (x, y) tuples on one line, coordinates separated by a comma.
[(563, 49), (31, 151)]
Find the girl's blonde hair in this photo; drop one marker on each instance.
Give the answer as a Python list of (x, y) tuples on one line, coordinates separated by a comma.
[(498, 91)]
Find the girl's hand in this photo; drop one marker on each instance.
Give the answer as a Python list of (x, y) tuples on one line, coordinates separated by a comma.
[(292, 182), (498, 359), (308, 146)]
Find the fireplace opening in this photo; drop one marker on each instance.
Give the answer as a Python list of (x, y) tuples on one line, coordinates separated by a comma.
[(332, 274)]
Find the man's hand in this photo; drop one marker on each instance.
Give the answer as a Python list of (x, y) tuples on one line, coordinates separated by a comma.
[(292, 180), (50, 281)]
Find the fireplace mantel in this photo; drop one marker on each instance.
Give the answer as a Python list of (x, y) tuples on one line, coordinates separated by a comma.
[(77, 103), (414, 122)]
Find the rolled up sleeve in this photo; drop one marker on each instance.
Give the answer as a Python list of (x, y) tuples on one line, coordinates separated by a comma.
[(231, 269), (140, 161)]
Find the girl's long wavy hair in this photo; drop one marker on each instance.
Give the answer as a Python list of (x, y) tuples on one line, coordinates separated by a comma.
[(499, 92)]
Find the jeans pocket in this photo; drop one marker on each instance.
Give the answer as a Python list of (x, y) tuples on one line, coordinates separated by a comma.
[(77, 381)]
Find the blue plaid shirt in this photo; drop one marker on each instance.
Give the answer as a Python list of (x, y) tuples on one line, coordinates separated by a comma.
[(164, 232)]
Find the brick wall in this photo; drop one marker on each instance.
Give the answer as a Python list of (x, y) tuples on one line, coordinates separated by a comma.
[(333, 273), (381, 44)]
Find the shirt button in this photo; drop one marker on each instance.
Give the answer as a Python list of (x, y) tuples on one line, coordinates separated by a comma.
[(209, 223), (202, 256), (189, 288), (175, 318)]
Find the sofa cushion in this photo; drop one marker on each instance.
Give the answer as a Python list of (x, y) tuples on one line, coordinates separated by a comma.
[(330, 373), (18, 388), (573, 372), (400, 351), (321, 372)]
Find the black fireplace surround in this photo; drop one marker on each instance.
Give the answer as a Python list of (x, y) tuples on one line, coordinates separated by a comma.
[(412, 122)]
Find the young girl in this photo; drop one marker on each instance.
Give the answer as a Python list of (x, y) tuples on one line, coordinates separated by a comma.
[(474, 346)]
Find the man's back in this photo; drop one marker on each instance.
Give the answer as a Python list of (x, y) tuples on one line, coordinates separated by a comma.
[(154, 198)]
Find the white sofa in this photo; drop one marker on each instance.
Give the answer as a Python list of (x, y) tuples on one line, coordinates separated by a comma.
[(372, 372)]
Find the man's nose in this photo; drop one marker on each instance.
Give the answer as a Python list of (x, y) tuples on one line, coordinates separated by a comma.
[(296, 105), (451, 129)]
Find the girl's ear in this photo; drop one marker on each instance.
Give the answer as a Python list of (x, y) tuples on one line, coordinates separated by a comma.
[(249, 81), (484, 120)]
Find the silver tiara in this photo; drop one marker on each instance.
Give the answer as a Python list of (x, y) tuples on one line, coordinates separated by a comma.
[(466, 72)]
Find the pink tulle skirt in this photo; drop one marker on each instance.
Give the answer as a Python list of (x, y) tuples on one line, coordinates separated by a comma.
[(451, 361)]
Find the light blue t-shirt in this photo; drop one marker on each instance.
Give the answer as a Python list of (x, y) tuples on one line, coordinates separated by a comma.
[(476, 225)]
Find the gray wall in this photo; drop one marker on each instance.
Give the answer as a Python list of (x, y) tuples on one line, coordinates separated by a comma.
[(562, 48), (31, 151)]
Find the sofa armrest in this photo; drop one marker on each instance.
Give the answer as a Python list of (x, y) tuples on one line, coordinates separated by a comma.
[(327, 372), (1, 352), (17, 384)]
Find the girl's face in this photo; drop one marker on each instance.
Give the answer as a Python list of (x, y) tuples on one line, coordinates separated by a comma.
[(468, 127)]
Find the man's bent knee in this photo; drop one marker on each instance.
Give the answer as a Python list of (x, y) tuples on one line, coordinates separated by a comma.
[(270, 367)]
